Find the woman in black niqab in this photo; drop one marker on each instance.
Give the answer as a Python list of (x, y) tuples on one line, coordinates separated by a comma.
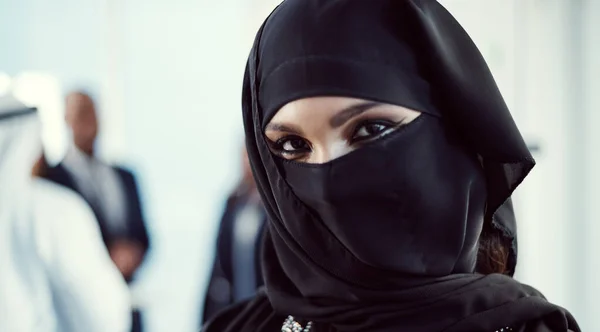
[(386, 237)]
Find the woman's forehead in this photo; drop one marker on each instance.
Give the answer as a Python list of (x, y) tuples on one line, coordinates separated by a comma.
[(322, 102), (316, 109)]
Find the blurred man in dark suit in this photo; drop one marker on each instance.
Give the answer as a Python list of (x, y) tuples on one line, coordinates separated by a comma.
[(110, 191), (236, 273)]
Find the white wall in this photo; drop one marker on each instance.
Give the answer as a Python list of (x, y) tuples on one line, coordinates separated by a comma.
[(182, 68), (590, 236), (62, 39)]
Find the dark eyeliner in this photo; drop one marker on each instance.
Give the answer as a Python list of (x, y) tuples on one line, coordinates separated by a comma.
[(390, 124), (278, 145)]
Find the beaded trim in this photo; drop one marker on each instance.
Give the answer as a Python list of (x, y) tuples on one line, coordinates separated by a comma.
[(291, 325)]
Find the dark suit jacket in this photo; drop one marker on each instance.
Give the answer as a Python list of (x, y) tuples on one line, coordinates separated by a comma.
[(136, 227), (220, 287)]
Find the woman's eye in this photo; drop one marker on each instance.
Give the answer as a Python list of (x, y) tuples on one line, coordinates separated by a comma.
[(293, 144), (370, 129), (291, 147)]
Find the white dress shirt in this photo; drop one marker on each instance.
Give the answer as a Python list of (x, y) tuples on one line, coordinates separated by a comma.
[(101, 185)]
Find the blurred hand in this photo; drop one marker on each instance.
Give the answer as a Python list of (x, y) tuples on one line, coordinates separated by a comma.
[(127, 256)]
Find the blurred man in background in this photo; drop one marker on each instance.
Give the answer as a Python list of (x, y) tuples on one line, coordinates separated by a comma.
[(55, 273), (110, 191), (236, 273)]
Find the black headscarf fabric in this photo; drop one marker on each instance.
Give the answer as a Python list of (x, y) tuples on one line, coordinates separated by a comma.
[(385, 238)]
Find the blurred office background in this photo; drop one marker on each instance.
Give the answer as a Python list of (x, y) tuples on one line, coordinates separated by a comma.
[(167, 78)]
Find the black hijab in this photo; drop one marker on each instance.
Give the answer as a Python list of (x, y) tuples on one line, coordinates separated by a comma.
[(386, 237)]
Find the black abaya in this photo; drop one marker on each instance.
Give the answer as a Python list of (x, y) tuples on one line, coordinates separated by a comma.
[(385, 239)]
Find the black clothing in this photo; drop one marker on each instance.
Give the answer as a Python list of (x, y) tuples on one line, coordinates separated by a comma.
[(385, 238), (135, 221), (220, 294), (432, 230), (531, 312)]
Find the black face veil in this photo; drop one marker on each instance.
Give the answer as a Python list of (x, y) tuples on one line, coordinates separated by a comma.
[(408, 53)]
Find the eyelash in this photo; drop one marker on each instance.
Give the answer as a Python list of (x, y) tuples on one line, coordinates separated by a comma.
[(389, 125), (278, 145)]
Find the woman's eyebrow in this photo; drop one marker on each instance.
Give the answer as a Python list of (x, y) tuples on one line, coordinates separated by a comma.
[(283, 128), (349, 112)]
